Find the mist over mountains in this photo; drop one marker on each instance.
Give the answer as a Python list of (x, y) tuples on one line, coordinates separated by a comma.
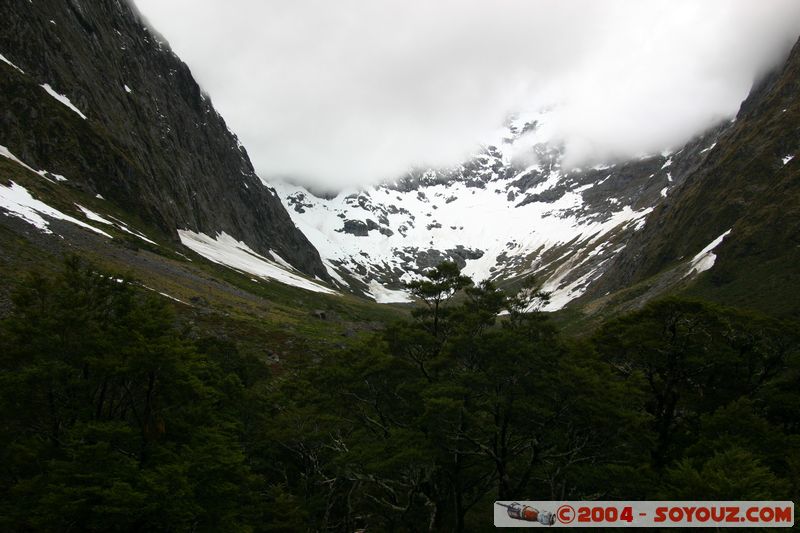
[(346, 94)]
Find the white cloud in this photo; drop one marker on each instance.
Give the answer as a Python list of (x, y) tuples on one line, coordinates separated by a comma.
[(356, 91)]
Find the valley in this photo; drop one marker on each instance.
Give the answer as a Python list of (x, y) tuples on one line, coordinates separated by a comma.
[(188, 343)]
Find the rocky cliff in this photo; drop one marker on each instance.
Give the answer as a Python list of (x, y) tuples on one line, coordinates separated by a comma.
[(135, 127)]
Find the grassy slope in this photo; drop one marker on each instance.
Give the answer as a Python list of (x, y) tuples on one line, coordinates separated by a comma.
[(263, 317)]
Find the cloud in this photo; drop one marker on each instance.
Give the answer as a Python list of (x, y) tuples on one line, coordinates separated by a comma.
[(357, 91)]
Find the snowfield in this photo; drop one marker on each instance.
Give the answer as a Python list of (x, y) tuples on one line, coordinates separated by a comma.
[(225, 250), (499, 216), (477, 219)]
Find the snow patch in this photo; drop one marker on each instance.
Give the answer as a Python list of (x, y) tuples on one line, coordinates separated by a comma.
[(382, 295), (705, 259), (281, 261), (63, 99), (5, 152), (165, 295), (91, 215), (561, 295), (708, 149), (124, 227), (787, 159), (225, 250), (6, 61), (127, 89), (17, 201)]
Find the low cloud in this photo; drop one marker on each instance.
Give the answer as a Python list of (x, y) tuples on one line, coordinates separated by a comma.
[(352, 92)]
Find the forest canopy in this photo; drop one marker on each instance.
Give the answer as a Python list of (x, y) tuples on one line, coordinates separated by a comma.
[(118, 415)]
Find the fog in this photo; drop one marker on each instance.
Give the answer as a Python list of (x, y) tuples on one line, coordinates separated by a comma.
[(353, 92)]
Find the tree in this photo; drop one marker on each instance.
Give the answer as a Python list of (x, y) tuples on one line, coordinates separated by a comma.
[(442, 283), (111, 418), (681, 350)]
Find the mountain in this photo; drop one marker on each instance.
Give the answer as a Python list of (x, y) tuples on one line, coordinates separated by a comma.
[(717, 218), (731, 231), (511, 210), (106, 137), (91, 94)]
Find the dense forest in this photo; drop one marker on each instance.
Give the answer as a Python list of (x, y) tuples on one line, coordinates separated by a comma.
[(119, 415)]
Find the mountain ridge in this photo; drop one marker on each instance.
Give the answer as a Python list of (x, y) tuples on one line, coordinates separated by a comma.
[(497, 216), (96, 98), (748, 187), (152, 141)]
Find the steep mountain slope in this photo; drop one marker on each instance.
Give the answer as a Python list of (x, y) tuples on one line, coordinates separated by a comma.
[(89, 93), (103, 128), (736, 220), (509, 211)]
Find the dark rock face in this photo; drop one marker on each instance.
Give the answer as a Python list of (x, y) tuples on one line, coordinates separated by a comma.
[(298, 202), (427, 259), (152, 142), (357, 227)]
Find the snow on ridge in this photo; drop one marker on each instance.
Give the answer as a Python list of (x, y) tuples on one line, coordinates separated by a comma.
[(478, 219), (705, 259), (5, 152), (16, 201), (708, 149), (227, 251), (63, 99), (124, 227), (393, 231), (91, 215), (6, 61)]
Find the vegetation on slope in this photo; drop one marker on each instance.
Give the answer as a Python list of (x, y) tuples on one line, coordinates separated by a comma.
[(119, 415)]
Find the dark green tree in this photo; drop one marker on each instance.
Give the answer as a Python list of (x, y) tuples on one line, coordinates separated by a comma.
[(111, 420)]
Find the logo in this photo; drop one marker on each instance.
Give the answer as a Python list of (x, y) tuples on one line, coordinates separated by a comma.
[(526, 513), (566, 514)]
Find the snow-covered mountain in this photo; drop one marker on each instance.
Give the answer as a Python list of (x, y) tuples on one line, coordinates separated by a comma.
[(104, 130), (511, 209)]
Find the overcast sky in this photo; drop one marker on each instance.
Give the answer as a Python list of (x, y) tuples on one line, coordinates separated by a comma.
[(348, 92)]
